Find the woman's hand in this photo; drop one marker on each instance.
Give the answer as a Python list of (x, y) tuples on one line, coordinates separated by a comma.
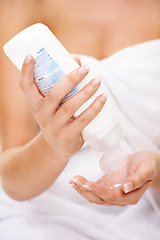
[(61, 132), (123, 187)]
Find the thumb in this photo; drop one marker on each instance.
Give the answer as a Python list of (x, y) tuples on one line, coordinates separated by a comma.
[(137, 179), (27, 72), (27, 84)]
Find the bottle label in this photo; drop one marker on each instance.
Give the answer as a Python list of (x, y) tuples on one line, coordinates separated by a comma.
[(47, 73)]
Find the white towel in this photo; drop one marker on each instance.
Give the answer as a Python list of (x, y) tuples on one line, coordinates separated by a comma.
[(132, 77)]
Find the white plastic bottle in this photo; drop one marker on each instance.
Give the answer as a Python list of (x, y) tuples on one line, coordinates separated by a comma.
[(52, 63)]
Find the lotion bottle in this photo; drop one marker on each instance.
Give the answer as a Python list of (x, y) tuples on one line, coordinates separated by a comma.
[(52, 63)]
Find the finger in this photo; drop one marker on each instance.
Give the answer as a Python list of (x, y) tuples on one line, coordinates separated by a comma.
[(78, 183), (116, 196), (67, 110), (143, 174), (133, 197), (107, 193), (95, 198), (61, 89), (82, 186), (88, 115), (27, 84), (78, 60)]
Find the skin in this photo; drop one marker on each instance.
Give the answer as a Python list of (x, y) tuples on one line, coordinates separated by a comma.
[(31, 162), (141, 171)]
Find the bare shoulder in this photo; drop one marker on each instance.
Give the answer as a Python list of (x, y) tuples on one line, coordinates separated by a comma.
[(17, 125), (16, 14)]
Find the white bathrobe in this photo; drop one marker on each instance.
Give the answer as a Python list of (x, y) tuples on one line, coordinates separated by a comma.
[(132, 77)]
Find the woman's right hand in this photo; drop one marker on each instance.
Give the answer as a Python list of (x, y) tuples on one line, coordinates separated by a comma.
[(61, 132)]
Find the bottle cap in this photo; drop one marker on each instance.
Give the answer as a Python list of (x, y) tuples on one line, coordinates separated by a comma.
[(107, 140), (113, 160)]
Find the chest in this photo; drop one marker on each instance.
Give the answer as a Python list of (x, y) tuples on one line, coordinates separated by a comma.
[(100, 28)]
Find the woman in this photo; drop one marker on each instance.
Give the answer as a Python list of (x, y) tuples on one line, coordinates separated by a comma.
[(32, 162)]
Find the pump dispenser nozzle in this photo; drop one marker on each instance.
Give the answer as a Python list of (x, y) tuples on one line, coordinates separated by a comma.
[(113, 160)]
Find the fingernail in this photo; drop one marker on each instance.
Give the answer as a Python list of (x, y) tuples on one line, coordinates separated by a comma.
[(103, 97), (87, 187), (73, 185), (128, 187), (77, 57), (96, 81), (27, 59), (84, 69), (75, 180)]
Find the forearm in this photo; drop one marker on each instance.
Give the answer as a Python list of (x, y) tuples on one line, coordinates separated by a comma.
[(29, 170), (156, 181)]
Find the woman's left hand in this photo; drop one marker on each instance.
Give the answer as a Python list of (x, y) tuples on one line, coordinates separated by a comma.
[(123, 187)]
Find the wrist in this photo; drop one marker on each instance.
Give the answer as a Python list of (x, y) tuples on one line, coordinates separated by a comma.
[(48, 150)]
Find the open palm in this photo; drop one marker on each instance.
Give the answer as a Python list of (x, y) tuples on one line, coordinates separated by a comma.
[(122, 187)]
